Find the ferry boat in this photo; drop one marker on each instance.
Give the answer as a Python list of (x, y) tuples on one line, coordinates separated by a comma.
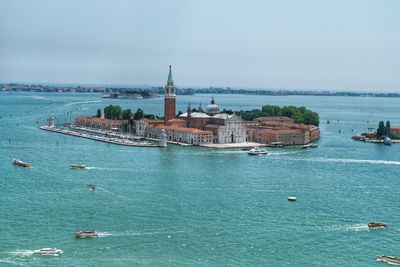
[(310, 145), (85, 234), (377, 225), (389, 259), (48, 251), (21, 163), (257, 151), (77, 166)]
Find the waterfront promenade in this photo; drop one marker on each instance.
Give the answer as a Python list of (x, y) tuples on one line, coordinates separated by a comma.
[(111, 140)]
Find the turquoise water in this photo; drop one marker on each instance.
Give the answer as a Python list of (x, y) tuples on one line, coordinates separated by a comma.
[(195, 206)]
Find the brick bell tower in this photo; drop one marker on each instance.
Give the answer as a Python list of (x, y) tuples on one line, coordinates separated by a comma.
[(169, 98)]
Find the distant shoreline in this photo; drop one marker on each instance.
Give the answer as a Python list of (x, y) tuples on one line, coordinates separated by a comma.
[(16, 87)]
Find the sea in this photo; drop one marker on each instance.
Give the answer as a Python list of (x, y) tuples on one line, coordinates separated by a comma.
[(194, 206)]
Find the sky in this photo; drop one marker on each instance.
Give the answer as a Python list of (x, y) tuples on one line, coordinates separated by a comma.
[(291, 44)]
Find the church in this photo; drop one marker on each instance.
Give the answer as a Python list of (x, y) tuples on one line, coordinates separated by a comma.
[(197, 128)]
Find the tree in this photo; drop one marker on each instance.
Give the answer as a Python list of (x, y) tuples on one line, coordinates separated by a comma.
[(311, 118), (113, 112), (126, 114), (270, 110), (388, 133), (98, 115), (381, 129), (138, 114)]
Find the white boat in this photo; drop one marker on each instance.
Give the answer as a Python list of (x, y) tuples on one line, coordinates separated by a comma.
[(48, 251), (21, 163), (310, 145), (85, 234), (387, 141), (257, 151), (389, 259), (77, 166), (292, 198), (91, 186)]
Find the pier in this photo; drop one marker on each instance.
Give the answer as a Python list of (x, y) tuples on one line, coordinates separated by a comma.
[(110, 140)]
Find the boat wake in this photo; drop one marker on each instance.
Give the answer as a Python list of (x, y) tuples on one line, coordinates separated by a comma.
[(341, 160), (22, 252), (92, 168), (111, 193), (353, 227), (135, 233), (8, 262)]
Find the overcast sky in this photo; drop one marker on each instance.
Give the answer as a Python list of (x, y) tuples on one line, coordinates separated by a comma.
[(294, 44)]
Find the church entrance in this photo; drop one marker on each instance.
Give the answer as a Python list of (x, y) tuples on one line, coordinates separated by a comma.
[(232, 138)]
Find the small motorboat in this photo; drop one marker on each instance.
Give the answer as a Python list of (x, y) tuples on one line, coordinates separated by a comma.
[(77, 166), (310, 145), (291, 198), (387, 141), (85, 234), (48, 251), (377, 225), (389, 259), (91, 186), (21, 163), (257, 151)]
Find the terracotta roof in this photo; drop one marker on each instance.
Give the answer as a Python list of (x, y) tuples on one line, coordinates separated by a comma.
[(100, 120), (181, 129)]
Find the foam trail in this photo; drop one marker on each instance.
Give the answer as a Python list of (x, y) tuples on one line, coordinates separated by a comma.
[(22, 252), (353, 227), (341, 160), (111, 193), (134, 233)]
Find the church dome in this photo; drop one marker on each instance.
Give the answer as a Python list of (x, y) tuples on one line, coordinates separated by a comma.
[(212, 108)]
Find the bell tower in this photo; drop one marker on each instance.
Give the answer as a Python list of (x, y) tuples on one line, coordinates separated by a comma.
[(169, 98)]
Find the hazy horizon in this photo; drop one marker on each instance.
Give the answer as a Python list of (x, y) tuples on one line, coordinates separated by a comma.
[(289, 45)]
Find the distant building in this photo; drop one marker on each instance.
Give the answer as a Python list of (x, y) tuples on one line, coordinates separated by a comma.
[(268, 130), (101, 123)]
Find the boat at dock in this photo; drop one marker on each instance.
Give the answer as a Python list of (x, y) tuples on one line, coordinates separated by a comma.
[(257, 151), (277, 144), (376, 225), (85, 234), (48, 251), (387, 141), (21, 163), (389, 259), (77, 166), (310, 145)]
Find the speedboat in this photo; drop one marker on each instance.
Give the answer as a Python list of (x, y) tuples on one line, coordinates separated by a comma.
[(310, 145), (257, 151), (292, 198), (21, 163), (77, 166), (376, 225), (91, 186), (48, 251), (85, 234), (389, 259)]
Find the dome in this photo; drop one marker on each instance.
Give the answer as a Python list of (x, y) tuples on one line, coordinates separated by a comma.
[(212, 107)]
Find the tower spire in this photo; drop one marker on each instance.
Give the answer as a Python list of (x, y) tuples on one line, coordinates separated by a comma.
[(170, 81)]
